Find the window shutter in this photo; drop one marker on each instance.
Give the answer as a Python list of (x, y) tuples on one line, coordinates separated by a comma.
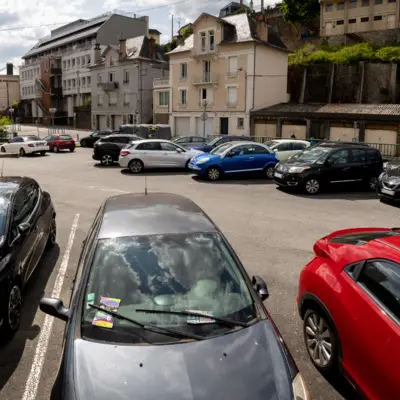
[(233, 65)]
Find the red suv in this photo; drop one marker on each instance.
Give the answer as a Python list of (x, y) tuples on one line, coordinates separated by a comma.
[(349, 300), (60, 142)]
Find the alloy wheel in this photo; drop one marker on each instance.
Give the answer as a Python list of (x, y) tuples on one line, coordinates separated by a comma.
[(135, 166), (318, 339), (21, 152), (107, 160), (270, 172), (55, 149), (53, 233), (3, 149), (213, 174), (14, 307), (373, 182), (312, 186)]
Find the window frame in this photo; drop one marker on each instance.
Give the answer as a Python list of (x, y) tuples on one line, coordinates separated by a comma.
[(161, 95), (183, 71)]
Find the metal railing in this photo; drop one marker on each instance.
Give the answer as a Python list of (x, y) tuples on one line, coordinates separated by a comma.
[(159, 82)]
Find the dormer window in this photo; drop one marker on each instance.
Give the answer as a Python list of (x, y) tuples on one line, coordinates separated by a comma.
[(211, 40), (203, 41)]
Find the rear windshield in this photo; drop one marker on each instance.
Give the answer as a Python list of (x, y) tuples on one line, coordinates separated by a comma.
[(66, 137), (363, 237), (31, 138)]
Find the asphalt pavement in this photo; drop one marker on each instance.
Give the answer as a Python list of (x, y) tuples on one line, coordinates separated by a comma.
[(273, 233)]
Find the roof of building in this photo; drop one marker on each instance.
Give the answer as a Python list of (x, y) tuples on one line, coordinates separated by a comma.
[(245, 32), (366, 111), (154, 32)]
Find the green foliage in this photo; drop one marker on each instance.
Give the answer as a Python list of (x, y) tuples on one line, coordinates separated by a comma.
[(309, 54), (87, 102), (4, 121), (15, 105), (240, 11), (299, 11), (186, 32)]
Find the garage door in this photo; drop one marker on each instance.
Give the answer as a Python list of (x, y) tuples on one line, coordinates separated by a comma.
[(265, 130), (209, 127), (385, 141), (182, 126), (343, 134)]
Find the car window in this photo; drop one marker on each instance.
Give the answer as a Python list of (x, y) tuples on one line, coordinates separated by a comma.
[(123, 139), (167, 146), (181, 140), (374, 156), (48, 138), (339, 157), (220, 149), (24, 203), (31, 138), (198, 139), (66, 137), (149, 146), (175, 272), (17, 139), (285, 146), (241, 150), (298, 146), (260, 150), (382, 280), (359, 156)]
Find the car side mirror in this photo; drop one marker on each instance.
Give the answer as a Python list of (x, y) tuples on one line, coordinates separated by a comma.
[(260, 287), (24, 227), (55, 308), (178, 150), (275, 150)]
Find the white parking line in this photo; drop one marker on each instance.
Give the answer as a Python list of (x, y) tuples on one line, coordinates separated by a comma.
[(32, 383)]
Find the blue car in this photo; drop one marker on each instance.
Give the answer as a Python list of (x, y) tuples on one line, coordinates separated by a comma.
[(220, 140), (234, 158)]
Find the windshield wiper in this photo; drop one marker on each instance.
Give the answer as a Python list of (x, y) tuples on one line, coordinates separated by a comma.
[(221, 320), (150, 328)]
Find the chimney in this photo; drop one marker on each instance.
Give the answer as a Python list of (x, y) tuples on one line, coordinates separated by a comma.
[(10, 69), (145, 18), (122, 47), (152, 48), (180, 41), (262, 5), (262, 28), (241, 2), (97, 54)]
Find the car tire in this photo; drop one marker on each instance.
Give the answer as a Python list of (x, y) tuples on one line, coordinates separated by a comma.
[(71, 150), (187, 165), (42, 153), (83, 143), (321, 340), (22, 152), (52, 239), (13, 307), (213, 174), (372, 183), (3, 149), (269, 172), (107, 160), (135, 166), (55, 149), (312, 186)]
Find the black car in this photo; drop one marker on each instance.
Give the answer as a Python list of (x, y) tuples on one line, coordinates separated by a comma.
[(389, 181), (330, 164), (106, 150), (188, 141), (27, 227), (90, 140), (207, 147), (163, 308)]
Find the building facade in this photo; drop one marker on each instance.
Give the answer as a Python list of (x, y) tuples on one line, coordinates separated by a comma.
[(228, 67), (161, 105), (9, 89), (56, 70), (339, 17), (122, 82)]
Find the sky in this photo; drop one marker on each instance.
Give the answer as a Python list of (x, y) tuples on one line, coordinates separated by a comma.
[(23, 22)]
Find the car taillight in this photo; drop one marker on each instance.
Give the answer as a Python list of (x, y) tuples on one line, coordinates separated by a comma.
[(124, 153), (31, 145)]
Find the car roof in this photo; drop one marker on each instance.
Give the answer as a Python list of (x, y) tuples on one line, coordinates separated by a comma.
[(289, 140), (11, 183), (344, 144), (243, 142), (120, 134), (153, 140), (152, 214)]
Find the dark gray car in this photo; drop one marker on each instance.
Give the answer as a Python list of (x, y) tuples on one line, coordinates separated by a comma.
[(162, 308)]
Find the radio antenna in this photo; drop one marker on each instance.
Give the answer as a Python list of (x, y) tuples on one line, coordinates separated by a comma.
[(145, 184)]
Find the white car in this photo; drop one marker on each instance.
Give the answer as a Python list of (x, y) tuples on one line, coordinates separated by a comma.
[(286, 148), (25, 145), (155, 153)]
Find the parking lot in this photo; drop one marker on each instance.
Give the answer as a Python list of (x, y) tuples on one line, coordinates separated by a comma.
[(273, 233)]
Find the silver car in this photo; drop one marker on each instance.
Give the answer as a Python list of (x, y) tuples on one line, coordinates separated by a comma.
[(155, 153)]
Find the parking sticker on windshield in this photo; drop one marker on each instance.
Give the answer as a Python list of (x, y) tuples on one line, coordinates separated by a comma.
[(103, 319), (110, 303), (90, 299), (191, 319)]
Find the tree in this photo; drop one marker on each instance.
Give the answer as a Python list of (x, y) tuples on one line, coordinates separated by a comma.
[(186, 32), (300, 11)]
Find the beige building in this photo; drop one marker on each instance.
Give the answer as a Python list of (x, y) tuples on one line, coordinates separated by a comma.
[(9, 91), (339, 17), (228, 67)]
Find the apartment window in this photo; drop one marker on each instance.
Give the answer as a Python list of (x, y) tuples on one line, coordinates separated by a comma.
[(340, 22), (126, 76), (73, 83), (232, 96), (340, 6), (73, 62), (64, 84), (64, 64), (163, 99), (111, 61), (83, 81), (83, 60), (126, 98), (211, 40), (206, 71), (240, 123), (353, 4), (377, 2), (111, 77), (364, 3), (99, 78), (206, 95), (352, 20), (100, 100), (183, 96), (329, 8), (364, 19), (183, 71), (378, 18), (69, 83), (78, 61), (203, 41), (69, 64), (88, 80), (112, 98), (232, 66)]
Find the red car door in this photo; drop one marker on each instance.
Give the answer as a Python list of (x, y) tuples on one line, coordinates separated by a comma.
[(369, 327)]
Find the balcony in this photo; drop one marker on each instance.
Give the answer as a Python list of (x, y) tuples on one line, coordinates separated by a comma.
[(55, 71), (160, 82), (204, 52), (109, 85), (206, 78), (56, 91), (209, 104)]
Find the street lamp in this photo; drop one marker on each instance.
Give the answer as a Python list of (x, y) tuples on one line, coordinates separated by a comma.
[(52, 112), (204, 116)]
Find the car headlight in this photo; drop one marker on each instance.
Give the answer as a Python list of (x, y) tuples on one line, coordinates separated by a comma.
[(300, 391), (297, 170), (202, 161), (385, 166)]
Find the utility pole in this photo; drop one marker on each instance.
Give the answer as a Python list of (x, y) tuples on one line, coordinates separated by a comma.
[(172, 27)]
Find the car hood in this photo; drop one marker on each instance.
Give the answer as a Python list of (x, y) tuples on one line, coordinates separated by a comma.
[(207, 156), (193, 152), (285, 165), (393, 168), (206, 148), (247, 364)]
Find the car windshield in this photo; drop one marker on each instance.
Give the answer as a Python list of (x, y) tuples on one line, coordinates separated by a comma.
[(313, 154), (271, 143), (174, 272), (31, 138), (214, 141), (4, 205), (66, 137), (221, 148)]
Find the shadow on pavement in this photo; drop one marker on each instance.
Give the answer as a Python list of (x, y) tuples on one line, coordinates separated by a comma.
[(157, 172), (12, 351), (343, 387), (101, 166), (235, 180)]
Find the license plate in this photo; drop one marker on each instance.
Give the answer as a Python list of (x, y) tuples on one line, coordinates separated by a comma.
[(278, 175), (40, 144), (388, 192)]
